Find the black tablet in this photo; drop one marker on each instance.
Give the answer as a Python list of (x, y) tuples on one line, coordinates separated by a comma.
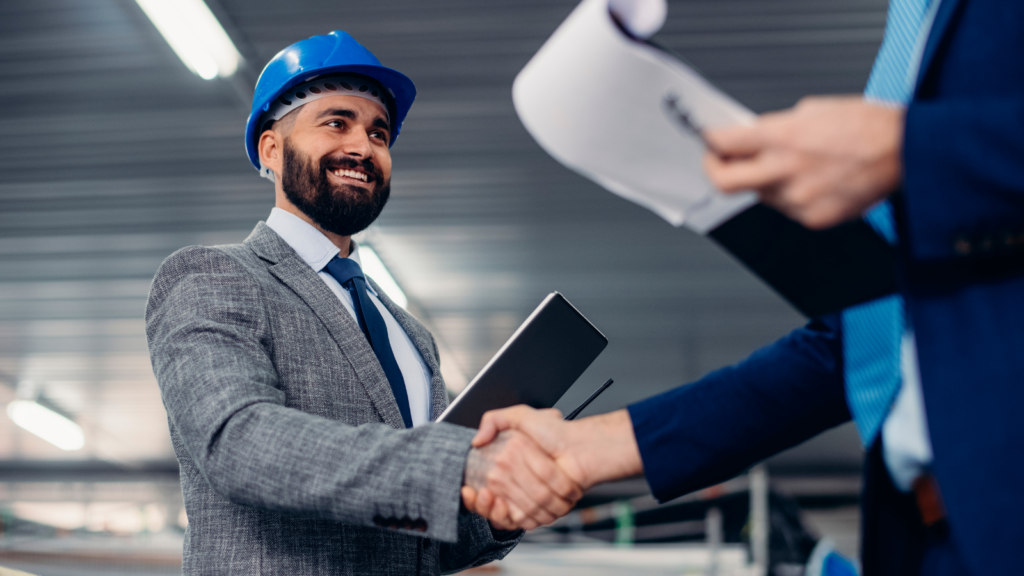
[(541, 360)]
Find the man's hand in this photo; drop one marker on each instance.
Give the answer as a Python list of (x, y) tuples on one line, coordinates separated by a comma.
[(589, 451), (516, 483), (823, 162)]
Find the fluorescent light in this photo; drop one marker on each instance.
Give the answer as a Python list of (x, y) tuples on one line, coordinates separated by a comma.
[(46, 424), (374, 268), (195, 35)]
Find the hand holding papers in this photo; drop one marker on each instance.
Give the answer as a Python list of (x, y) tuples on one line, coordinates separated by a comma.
[(630, 116), (825, 161)]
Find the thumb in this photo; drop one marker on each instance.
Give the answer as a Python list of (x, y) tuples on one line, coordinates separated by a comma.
[(495, 421), (469, 498)]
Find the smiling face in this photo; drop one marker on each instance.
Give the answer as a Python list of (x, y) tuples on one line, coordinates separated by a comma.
[(333, 161)]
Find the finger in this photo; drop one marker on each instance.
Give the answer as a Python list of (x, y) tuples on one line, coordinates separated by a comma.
[(520, 519), (494, 421), (485, 433), (494, 509), (469, 498), (566, 490), (753, 173), (736, 140), (500, 515), (512, 479), (529, 491), (823, 213), (485, 503), (523, 502)]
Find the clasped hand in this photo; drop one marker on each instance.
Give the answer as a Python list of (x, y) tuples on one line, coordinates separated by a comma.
[(529, 467)]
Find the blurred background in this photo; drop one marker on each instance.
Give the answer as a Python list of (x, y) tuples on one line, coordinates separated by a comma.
[(114, 154)]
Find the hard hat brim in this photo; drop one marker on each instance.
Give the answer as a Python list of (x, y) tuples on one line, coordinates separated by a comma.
[(401, 88)]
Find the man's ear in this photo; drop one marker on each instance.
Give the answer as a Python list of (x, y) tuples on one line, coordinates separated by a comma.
[(271, 150)]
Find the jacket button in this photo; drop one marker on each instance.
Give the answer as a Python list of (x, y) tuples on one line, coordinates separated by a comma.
[(406, 523), (379, 520), (1012, 241), (986, 245), (962, 246), (420, 525)]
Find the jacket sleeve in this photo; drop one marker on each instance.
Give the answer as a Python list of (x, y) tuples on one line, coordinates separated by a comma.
[(964, 178), (209, 343), (478, 544), (704, 433)]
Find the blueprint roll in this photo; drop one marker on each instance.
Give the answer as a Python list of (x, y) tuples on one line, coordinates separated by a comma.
[(598, 75)]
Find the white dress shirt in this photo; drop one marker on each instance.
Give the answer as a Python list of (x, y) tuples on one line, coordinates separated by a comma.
[(317, 250), (906, 447)]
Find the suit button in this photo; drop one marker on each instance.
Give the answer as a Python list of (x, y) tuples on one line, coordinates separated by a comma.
[(1012, 241), (379, 520), (962, 246), (406, 523), (420, 525), (986, 245)]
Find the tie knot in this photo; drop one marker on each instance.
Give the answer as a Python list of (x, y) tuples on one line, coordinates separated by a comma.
[(344, 269)]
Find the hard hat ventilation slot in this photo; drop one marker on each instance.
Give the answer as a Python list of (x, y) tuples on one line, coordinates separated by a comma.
[(300, 95), (285, 101), (364, 88), (330, 86), (314, 89), (346, 86)]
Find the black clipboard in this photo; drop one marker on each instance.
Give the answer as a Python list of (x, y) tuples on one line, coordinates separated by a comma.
[(817, 271), (542, 359)]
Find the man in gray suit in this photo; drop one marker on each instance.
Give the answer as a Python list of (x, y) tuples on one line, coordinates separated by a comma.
[(299, 396)]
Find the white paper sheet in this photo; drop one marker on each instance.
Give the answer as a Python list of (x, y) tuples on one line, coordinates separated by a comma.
[(593, 98)]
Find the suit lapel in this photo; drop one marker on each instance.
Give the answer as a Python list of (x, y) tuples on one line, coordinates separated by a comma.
[(421, 339), (293, 272), (943, 17)]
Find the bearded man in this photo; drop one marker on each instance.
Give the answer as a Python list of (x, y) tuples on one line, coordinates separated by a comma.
[(299, 396)]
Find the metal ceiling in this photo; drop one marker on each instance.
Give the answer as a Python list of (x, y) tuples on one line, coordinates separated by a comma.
[(113, 155)]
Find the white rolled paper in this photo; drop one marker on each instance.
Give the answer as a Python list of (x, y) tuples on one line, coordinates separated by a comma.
[(594, 99)]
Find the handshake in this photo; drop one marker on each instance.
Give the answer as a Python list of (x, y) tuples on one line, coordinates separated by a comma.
[(528, 467)]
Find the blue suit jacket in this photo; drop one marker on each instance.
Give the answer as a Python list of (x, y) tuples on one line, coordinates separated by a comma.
[(961, 221)]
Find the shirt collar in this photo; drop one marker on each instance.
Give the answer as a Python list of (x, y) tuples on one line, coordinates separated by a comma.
[(309, 243)]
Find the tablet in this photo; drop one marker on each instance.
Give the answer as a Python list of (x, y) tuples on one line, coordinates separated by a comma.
[(541, 360)]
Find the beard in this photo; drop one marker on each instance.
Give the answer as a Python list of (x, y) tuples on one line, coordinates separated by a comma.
[(343, 209)]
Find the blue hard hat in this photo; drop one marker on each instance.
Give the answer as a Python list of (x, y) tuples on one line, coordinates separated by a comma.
[(332, 53)]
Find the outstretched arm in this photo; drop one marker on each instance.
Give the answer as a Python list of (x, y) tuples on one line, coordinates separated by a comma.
[(700, 434)]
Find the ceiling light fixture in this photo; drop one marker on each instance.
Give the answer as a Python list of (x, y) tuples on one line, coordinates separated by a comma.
[(195, 35), (47, 424), (374, 268)]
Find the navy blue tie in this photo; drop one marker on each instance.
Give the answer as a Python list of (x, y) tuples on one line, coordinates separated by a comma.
[(348, 273)]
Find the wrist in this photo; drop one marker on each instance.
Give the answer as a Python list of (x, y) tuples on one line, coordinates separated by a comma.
[(607, 449)]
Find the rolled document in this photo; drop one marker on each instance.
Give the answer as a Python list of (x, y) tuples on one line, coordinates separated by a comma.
[(594, 97), (628, 115)]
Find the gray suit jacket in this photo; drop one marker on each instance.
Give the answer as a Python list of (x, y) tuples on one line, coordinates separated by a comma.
[(294, 458)]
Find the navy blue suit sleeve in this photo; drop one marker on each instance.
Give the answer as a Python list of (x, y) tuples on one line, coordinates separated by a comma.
[(964, 174), (703, 433)]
